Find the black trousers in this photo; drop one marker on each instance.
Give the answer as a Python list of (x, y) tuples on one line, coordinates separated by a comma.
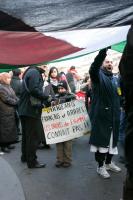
[(103, 157), (42, 135), (128, 184), (30, 139)]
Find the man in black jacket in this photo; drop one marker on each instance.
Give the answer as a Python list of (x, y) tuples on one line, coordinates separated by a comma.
[(104, 114), (31, 115), (126, 70)]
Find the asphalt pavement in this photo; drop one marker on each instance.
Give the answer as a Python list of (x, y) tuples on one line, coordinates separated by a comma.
[(79, 182)]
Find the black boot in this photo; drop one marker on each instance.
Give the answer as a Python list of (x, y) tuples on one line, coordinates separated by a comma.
[(43, 146)]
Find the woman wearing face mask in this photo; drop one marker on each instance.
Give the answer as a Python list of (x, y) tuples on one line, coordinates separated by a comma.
[(8, 101)]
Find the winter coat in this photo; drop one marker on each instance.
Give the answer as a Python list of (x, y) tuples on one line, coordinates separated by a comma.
[(88, 97), (8, 101), (48, 90), (54, 83), (71, 83), (105, 105), (126, 71), (34, 82), (16, 85)]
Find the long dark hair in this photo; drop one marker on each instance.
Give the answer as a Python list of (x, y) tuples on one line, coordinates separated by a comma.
[(50, 72)]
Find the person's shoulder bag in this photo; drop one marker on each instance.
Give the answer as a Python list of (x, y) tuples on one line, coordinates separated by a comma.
[(35, 102)]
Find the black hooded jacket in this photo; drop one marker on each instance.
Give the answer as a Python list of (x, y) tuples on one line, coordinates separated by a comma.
[(34, 81), (126, 71)]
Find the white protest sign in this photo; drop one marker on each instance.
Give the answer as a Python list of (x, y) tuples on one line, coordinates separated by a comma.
[(65, 121)]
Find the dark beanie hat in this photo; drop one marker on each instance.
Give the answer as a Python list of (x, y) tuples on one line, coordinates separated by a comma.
[(63, 84)]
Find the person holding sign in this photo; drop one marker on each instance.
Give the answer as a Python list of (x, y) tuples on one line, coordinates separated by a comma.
[(104, 114), (64, 149)]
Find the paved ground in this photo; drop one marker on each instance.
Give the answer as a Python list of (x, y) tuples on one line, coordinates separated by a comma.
[(10, 187), (80, 182)]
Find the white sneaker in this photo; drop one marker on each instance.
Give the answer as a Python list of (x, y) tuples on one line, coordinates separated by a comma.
[(113, 167), (1, 153), (103, 172)]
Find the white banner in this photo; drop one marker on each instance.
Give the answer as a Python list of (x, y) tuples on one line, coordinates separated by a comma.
[(65, 121)]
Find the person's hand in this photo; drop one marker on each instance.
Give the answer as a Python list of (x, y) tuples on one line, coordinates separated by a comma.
[(54, 103), (109, 47), (49, 98), (105, 49)]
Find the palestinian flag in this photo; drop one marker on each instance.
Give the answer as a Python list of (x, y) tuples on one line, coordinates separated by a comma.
[(35, 32)]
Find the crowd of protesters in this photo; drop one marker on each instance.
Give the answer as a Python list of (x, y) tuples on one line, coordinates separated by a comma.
[(101, 92)]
